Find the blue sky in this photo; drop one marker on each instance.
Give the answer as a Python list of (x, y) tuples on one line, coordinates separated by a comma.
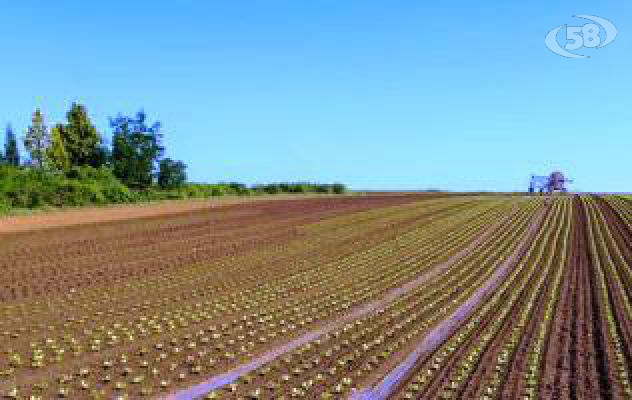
[(456, 95)]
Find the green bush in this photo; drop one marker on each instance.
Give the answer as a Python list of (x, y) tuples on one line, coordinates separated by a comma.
[(301, 187), (33, 188), (339, 188), (217, 191), (81, 186)]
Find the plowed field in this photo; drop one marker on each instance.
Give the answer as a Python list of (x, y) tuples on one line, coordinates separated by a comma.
[(402, 296)]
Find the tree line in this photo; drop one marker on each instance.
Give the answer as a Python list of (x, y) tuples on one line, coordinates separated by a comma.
[(136, 156), (71, 164)]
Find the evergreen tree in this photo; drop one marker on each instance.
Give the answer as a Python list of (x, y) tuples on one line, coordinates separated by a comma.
[(57, 155), (136, 149), (11, 150), (81, 139), (37, 139)]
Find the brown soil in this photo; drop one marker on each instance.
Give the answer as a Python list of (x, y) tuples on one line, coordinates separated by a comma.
[(433, 388), (576, 363), (515, 382), (399, 375), (114, 246), (622, 235), (63, 217), (394, 361), (367, 309), (474, 388), (91, 215), (55, 260)]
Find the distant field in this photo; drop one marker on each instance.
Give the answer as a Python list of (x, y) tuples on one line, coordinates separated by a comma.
[(27, 220), (399, 296)]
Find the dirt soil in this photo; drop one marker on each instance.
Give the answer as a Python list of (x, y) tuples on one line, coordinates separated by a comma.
[(442, 331), (329, 326), (576, 361), (56, 218), (57, 257), (70, 279)]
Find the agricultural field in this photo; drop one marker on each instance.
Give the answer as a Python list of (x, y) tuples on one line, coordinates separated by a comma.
[(385, 296)]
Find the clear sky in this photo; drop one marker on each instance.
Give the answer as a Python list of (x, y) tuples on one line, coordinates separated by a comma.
[(456, 95)]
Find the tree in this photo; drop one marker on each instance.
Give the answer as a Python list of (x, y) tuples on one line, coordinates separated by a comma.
[(37, 139), (136, 149), (81, 139), (57, 155), (11, 150), (171, 174), (339, 188)]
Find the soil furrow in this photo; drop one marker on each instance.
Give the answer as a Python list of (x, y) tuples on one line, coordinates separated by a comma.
[(395, 378), (593, 351), (371, 307)]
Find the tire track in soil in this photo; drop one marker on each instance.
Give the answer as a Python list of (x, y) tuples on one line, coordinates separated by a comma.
[(438, 380), (379, 326), (515, 383), (224, 379), (512, 386), (56, 370), (347, 247), (393, 380)]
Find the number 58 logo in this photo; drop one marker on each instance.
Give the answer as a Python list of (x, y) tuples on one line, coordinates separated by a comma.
[(590, 36)]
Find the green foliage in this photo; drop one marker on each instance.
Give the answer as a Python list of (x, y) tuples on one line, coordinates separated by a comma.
[(11, 150), (37, 187), (136, 148), (171, 174), (301, 187), (338, 188), (57, 155), (81, 139), (74, 168), (236, 188), (37, 139)]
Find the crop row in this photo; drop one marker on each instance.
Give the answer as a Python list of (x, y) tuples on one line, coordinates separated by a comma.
[(487, 338), (80, 310), (191, 342), (558, 326), (211, 275), (267, 293), (96, 256), (613, 283), (341, 360)]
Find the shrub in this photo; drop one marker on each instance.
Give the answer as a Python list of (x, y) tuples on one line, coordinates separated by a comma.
[(34, 187), (339, 188), (171, 174), (38, 187)]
